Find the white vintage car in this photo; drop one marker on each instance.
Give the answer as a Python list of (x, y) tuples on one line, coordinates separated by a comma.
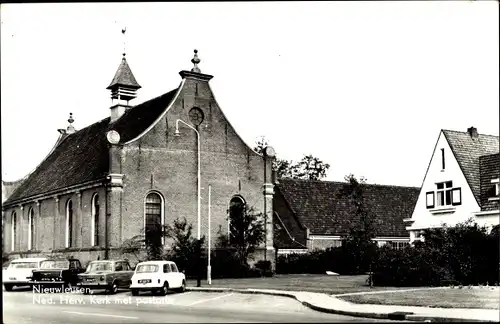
[(157, 277), (19, 272)]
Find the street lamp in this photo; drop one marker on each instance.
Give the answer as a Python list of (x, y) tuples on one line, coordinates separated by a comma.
[(177, 133)]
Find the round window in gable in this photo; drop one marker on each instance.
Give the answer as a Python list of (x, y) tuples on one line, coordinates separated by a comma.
[(196, 116)]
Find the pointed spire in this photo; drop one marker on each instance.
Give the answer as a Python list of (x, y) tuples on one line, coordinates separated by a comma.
[(123, 87), (70, 129), (124, 77), (195, 61)]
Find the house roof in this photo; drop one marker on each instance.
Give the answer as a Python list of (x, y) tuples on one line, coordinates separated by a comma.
[(467, 151), (318, 206), (124, 76), (489, 168), (83, 156)]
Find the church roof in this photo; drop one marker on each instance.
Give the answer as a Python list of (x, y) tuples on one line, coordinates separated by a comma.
[(83, 156), (467, 151), (319, 207), (124, 76)]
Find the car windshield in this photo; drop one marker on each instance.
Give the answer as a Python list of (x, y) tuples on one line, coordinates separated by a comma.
[(99, 266), (147, 268), (54, 264), (23, 265)]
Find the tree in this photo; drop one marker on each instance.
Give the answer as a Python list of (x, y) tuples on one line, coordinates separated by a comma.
[(185, 248), (309, 168), (246, 234), (359, 243), (134, 245)]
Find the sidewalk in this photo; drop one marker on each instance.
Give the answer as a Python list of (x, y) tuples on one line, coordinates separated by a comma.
[(325, 303)]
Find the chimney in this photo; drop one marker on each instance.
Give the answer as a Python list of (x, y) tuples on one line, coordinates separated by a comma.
[(472, 132)]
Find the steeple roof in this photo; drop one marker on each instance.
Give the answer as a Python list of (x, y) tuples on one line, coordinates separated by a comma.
[(124, 77)]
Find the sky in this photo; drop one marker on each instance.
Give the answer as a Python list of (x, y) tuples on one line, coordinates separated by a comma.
[(364, 86)]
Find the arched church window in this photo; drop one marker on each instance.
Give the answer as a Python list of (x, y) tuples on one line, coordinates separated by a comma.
[(153, 219), (31, 229), (69, 223), (237, 210), (94, 222), (13, 233)]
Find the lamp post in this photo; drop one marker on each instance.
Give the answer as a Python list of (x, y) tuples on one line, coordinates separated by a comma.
[(177, 133), (209, 266)]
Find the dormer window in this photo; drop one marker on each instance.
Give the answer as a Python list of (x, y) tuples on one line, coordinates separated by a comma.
[(495, 190)]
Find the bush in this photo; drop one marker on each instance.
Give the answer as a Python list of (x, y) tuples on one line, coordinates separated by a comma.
[(264, 268), (338, 259), (464, 254)]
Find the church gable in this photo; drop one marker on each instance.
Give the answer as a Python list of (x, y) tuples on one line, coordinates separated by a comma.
[(193, 103)]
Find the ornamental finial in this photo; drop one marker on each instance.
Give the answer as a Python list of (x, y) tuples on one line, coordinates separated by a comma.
[(70, 129), (195, 62)]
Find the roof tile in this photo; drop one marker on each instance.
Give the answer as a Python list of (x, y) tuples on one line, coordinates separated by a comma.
[(318, 206), (467, 151), (83, 156)]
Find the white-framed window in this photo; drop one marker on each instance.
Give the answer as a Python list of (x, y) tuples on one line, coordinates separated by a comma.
[(94, 221), (445, 195), (398, 245), (495, 192), (13, 232), (69, 223), (31, 229), (154, 218)]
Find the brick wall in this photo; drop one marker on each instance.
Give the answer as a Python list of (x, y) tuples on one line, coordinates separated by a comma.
[(166, 164)]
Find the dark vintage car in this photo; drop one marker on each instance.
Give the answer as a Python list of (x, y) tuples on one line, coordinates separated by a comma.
[(106, 274), (57, 273)]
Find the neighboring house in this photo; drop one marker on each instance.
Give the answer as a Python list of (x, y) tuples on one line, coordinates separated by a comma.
[(310, 215), (461, 182), (137, 170)]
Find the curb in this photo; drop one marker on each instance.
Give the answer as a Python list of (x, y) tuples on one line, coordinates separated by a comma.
[(398, 316)]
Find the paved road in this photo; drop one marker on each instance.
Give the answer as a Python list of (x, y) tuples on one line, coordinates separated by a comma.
[(23, 306)]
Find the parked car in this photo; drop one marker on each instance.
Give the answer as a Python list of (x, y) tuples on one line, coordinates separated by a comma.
[(157, 277), (19, 271), (106, 274), (57, 272)]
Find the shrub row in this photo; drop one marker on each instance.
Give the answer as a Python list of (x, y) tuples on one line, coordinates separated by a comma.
[(464, 254), (339, 259), (224, 265)]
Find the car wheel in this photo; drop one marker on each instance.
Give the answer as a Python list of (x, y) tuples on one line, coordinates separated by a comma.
[(114, 288), (164, 289), (8, 287), (135, 292)]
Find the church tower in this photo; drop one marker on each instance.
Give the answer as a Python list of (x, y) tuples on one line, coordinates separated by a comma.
[(123, 88)]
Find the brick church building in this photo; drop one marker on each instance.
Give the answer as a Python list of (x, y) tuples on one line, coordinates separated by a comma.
[(144, 164)]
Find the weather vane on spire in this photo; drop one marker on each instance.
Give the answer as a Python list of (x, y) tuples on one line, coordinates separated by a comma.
[(124, 41)]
